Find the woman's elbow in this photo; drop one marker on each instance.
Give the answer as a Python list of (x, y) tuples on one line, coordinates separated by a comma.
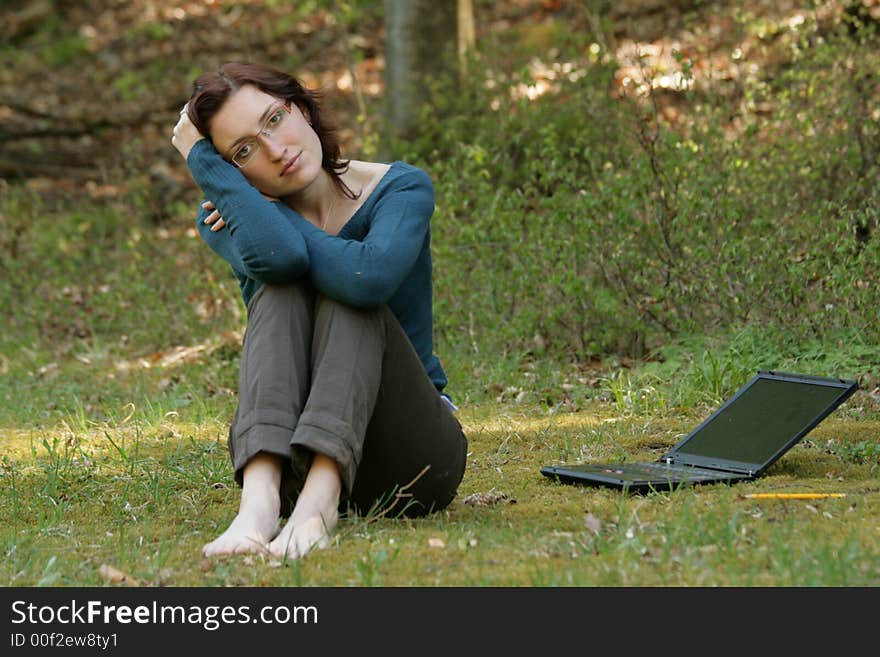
[(279, 268), (367, 293)]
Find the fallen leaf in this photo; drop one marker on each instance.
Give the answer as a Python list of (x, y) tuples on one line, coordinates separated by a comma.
[(592, 523), (47, 371), (489, 498), (116, 576), (464, 543), (165, 574), (436, 543)]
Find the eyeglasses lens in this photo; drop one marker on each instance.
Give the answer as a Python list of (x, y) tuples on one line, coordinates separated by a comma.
[(246, 152)]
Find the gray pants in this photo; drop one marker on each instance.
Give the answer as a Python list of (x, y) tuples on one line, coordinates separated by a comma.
[(320, 376)]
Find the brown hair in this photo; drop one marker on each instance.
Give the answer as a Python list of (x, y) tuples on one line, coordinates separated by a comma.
[(212, 90)]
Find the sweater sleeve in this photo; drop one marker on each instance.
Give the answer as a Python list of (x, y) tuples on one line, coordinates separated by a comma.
[(259, 239), (367, 273)]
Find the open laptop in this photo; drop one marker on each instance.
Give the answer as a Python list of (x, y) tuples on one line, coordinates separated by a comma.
[(739, 441)]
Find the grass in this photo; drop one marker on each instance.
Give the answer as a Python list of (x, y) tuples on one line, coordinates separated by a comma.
[(118, 377), (142, 493)]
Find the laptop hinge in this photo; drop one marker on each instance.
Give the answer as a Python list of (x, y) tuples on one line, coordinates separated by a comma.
[(727, 467)]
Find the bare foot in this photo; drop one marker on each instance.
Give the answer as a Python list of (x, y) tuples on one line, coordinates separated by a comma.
[(257, 520), (315, 515), (297, 539)]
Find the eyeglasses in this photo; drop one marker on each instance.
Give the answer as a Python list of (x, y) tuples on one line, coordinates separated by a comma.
[(247, 150)]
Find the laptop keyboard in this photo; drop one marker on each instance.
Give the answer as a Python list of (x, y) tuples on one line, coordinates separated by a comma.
[(665, 468)]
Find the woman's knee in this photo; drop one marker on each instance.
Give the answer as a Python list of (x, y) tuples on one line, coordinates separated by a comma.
[(284, 295), (329, 305), (331, 315)]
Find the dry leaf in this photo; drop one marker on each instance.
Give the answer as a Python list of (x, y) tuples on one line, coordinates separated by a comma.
[(165, 574), (436, 543), (592, 523), (116, 576), (47, 371), (488, 499)]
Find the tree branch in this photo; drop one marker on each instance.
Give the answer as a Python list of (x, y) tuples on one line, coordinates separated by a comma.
[(76, 126)]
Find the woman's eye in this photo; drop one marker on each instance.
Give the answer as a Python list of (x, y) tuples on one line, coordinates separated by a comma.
[(275, 119), (243, 153)]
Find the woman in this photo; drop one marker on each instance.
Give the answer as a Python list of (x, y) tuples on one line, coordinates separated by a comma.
[(341, 402)]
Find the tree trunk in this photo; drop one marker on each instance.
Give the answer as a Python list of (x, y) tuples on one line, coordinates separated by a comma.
[(466, 34), (421, 44)]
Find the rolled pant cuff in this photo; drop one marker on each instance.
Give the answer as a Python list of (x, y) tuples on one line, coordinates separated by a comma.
[(257, 438), (336, 442)]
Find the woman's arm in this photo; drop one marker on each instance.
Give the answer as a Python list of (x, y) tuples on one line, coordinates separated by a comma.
[(367, 273), (260, 240)]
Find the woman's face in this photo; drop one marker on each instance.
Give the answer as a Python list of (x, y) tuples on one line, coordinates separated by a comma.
[(275, 147)]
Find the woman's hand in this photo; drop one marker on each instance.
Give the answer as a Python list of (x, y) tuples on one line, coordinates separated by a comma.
[(215, 221), (185, 134)]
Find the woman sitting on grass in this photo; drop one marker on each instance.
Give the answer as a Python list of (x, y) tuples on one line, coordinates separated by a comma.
[(341, 403)]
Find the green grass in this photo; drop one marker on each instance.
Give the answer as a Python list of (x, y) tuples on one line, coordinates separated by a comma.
[(143, 495)]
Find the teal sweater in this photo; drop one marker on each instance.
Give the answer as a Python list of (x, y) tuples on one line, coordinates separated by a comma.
[(381, 256)]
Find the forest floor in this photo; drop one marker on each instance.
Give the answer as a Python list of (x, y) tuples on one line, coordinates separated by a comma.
[(90, 90)]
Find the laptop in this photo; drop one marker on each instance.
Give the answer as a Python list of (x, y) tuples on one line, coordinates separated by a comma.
[(739, 441)]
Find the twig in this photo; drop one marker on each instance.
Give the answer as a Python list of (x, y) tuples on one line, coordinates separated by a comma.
[(400, 494)]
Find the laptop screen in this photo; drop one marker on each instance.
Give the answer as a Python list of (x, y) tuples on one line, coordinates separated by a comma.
[(764, 418)]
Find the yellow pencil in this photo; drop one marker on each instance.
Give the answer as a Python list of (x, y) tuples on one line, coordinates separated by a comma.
[(792, 496)]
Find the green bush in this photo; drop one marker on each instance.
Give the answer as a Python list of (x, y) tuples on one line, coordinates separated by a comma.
[(584, 224)]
